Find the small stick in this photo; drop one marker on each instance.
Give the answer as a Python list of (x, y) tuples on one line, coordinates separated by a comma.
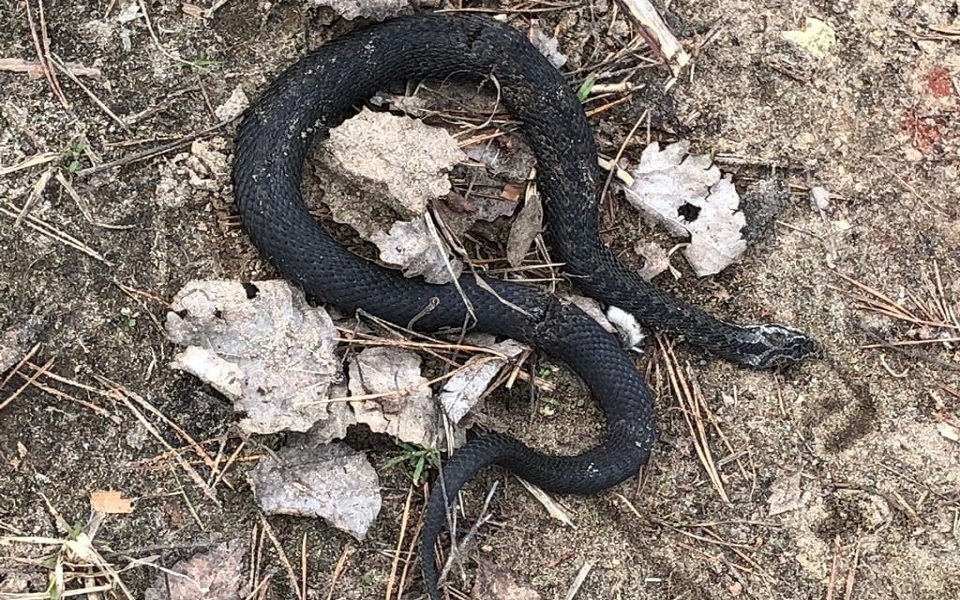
[(22, 362), (52, 232), (29, 381), (657, 35), (155, 151), (578, 581), (283, 555), (41, 57), (391, 580), (339, 569), (55, 60)]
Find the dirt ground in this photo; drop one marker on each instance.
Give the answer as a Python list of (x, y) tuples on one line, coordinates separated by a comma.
[(855, 446)]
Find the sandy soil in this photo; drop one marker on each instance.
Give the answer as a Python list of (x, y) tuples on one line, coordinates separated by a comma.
[(857, 443)]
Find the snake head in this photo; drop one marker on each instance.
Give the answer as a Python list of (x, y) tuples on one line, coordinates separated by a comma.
[(777, 345)]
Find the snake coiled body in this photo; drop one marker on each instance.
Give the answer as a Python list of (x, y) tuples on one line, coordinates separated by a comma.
[(320, 91)]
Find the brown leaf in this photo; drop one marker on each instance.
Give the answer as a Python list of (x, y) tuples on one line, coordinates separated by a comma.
[(526, 227), (111, 502)]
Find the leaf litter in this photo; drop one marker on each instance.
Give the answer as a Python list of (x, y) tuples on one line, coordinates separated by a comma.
[(392, 396), (367, 9), (381, 174), (275, 356)]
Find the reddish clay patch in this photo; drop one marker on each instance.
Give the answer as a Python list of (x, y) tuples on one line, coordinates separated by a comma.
[(939, 83)]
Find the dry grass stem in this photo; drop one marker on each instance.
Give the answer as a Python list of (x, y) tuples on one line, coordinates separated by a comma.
[(222, 471), (694, 407), (553, 507), (154, 152), (394, 564), (59, 394), (197, 448), (131, 400), (82, 205), (578, 580), (41, 44), (34, 195), (291, 574), (397, 393), (16, 368), (31, 380), (458, 550), (410, 557), (339, 569), (31, 161), (644, 116), (76, 560), (52, 232), (55, 60), (936, 311)]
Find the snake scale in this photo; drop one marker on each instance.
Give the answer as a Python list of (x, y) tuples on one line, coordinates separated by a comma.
[(321, 90)]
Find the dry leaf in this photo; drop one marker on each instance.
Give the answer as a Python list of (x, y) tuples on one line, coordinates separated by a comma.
[(548, 45), (380, 173), (214, 574), (656, 259), (462, 392), (398, 400), (334, 482), (687, 194), (262, 345), (110, 502), (785, 495), (526, 227)]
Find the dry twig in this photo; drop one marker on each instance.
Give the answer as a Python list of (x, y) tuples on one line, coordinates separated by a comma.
[(694, 407)]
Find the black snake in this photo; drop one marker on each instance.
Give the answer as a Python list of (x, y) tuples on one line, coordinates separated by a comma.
[(320, 91)]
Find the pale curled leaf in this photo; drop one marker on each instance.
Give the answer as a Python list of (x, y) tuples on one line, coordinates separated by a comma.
[(392, 396), (332, 481), (379, 173), (259, 344), (463, 391), (687, 194)]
